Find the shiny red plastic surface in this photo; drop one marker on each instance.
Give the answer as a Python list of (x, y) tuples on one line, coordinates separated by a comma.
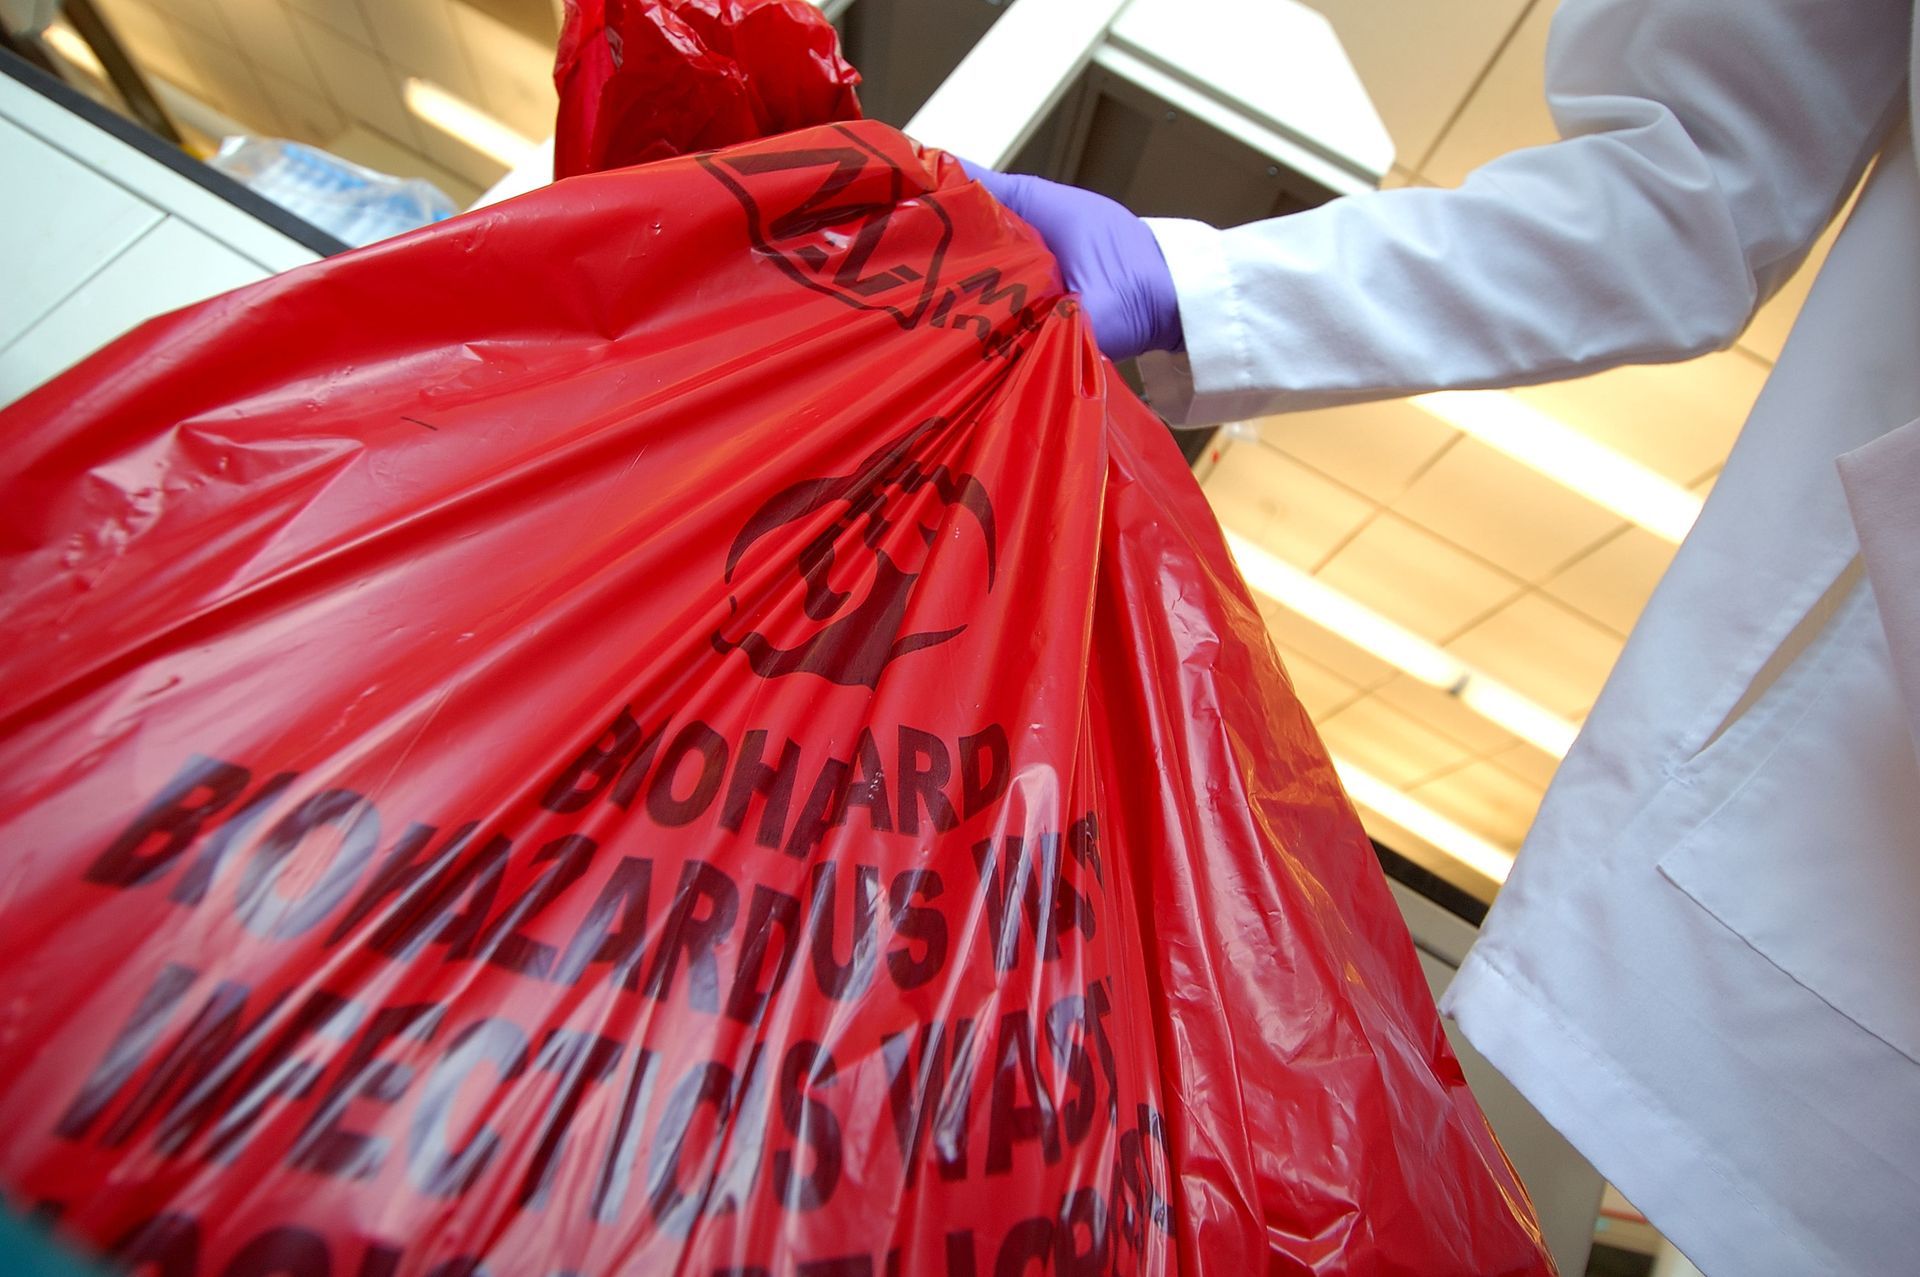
[(687, 722), (644, 80)]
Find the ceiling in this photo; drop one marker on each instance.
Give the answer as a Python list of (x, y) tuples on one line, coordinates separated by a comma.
[(332, 72), (1523, 579), (1505, 569)]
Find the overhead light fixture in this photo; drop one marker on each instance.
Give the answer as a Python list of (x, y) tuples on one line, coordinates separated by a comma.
[(1510, 425), (66, 42), (464, 122), (1422, 821), (1399, 647)]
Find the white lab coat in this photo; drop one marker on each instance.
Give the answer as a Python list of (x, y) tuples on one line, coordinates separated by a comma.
[(1705, 969)]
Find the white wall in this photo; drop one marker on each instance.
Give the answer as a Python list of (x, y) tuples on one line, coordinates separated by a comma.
[(96, 236)]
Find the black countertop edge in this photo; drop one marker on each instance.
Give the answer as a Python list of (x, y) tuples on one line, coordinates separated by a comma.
[(208, 178), (1455, 900)]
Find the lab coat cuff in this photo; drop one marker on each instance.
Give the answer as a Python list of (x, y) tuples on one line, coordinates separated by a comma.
[(1190, 388)]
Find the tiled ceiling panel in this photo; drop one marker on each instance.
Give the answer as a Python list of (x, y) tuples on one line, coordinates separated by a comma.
[(1419, 61), (1677, 419), (1291, 510), (333, 73), (1611, 583), (1508, 108), (1543, 650), (1376, 449), (1509, 515), (1416, 578), (1395, 746)]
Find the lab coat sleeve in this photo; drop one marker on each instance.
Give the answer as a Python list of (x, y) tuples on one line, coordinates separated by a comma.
[(1705, 143)]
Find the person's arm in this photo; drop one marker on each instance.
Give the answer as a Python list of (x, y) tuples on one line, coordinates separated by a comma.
[(1706, 144)]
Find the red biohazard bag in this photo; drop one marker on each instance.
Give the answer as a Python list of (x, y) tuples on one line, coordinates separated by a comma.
[(687, 722), (644, 80)]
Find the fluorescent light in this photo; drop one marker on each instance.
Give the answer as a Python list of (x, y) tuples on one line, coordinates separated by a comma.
[(1526, 719), (1400, 647), (1422, 821), (464, 122), (1509, 424), (1330, 609), (67, 43)]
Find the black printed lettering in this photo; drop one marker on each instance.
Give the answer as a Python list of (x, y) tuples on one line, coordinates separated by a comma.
[(916, 923), (230, 833), (284, 1251), (435, 1165), (748, 998), (616, 1170), (626, 897), (130, 1049), (198, 791), (267, 913), (327, 1145), (985, 769), (695, 740), (849, 980), (703, 910), (924, 769), (581, 1061), (774, 785), (505, 944), (812, 1125), (596, 766), (826, 809), (1016, 1067), (929, 1094), (868, 789)]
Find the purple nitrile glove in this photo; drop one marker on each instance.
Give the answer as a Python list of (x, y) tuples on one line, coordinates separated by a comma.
[(1107, 255)]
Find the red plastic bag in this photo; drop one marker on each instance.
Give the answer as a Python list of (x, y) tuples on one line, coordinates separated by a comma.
[(755, 760), (644, 80)]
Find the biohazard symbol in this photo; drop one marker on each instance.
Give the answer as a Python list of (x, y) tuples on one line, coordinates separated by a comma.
[(837, 220), (837, 637)]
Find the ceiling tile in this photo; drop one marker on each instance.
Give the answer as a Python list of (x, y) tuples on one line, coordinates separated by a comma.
[(228, 83), (263, 33), (151, 43), (476, 169), (1321, 691), (1282, 505), (1677, 419), (1489, 800), (1418, 61), (1529, 762), (309, 117), (418, 36), (515, 72), (1613, 583), (1415, 578), (1374, 448), (204, 17), (1543, 650), (1507, 513), (1508, 109), (1294, 633), (1396, 747), (360, 84), (342, 16), (371, 150), (1445, 714)]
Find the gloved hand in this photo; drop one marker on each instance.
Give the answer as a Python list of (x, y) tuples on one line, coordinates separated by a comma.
[(1108, 256)]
